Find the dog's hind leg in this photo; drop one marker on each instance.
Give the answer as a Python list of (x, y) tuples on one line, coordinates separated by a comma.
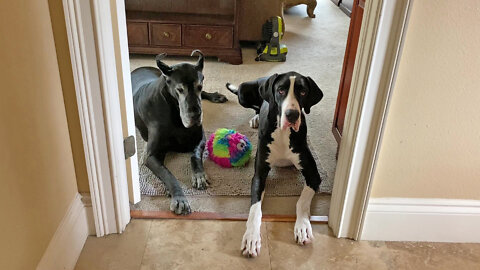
[(214, 97), (232, 88), (254, 121), (155, 162), (251, 242), (311, 7), (247, 100), (199, 178), (303, 229)]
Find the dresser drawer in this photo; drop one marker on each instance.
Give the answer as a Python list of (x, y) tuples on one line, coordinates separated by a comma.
[(166, 34), (137, 33), (208, 36)]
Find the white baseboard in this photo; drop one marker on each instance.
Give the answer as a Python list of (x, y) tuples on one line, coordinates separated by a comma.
[(87, 203), (67, 242), (429, 220)]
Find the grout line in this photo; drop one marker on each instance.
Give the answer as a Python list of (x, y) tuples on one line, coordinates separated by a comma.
[(268, 246), (146, 242)]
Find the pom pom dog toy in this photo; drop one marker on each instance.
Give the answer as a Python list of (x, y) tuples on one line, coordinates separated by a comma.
[(228, 148)]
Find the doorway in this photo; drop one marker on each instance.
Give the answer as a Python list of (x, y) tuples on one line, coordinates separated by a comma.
[(382, 37), (316, 49)]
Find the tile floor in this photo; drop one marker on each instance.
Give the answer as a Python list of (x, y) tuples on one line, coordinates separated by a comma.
[(184, 244)]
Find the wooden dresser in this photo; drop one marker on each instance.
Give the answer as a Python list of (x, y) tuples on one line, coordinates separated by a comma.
[(177, 27)]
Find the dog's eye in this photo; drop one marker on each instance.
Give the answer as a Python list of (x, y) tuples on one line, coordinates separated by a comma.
[(180, 90), (303, 93), (281, 91)]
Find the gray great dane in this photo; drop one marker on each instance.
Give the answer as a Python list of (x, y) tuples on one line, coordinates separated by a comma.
[(168, 114)]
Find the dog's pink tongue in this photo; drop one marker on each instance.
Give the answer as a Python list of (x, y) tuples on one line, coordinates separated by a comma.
[(296, 127), (286, 125)]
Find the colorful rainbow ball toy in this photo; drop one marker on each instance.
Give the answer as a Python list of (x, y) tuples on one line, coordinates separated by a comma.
[(228, 148)]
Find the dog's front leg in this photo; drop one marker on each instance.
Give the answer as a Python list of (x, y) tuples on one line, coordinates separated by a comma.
[(155, 162), (199, 178), (303, 229), (179, 203), (251, 241), (155, 157)]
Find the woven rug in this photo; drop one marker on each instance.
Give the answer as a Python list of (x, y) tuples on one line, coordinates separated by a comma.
[(287, 181)]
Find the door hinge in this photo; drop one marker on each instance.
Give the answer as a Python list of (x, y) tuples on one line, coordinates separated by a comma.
[(129, 146)]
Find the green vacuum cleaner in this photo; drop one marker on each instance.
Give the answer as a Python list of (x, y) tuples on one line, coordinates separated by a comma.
[(270, 48)]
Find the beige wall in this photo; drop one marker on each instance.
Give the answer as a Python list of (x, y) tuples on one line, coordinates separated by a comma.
[(431, 144), (68, 88), (37, 174)]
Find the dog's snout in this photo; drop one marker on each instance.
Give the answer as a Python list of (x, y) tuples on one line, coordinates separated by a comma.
[(195, 110), (196, 114), (196, 117), (292, 115)]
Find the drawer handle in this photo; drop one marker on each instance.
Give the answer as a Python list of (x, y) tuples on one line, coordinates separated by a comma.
[(166, 34), (208, 36)]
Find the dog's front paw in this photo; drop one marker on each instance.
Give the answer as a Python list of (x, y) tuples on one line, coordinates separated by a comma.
[(218, 98), (303, 231), (254, 122), (179, 205), (199, 180), (251, 243)]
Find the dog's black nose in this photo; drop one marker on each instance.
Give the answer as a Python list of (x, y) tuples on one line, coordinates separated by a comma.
[(292, 115), (195, 110), (196, 117)]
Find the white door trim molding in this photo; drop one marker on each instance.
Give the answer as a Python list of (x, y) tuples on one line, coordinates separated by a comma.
[(379, 48), (119, 20), (90, 39), (415, 219), (67, 242), (105, 45)]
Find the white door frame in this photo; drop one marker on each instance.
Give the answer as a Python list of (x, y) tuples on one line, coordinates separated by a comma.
[(92, 52), (98, 48), (380, 43)]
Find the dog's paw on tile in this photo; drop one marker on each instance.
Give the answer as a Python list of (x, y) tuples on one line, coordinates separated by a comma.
[(303, 231), (251, 243)]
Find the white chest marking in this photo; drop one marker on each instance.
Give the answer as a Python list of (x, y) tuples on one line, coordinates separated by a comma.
[(281, 154)]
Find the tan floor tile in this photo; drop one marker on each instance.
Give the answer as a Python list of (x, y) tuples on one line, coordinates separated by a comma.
[(421, 255), (328, 252), (116, 251), (184, 244)]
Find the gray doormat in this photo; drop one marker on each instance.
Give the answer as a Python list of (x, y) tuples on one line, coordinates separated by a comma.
[(286, 181)]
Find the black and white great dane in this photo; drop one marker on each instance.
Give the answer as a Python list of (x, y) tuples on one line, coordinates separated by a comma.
[(282, 141), (168, 114)]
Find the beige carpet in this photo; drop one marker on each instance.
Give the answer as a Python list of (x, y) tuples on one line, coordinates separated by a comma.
[(316, 49), (223, 181)]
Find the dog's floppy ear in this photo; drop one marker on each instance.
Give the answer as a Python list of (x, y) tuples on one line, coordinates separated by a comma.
[(314, 95), (166, 69), (266, 88), (199, 65)]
